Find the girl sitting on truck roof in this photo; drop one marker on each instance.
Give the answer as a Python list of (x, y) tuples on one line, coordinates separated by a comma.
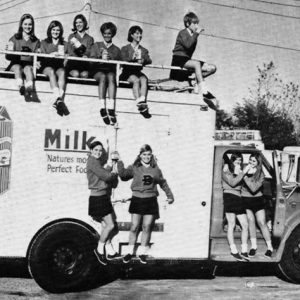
[(25, 41), (232, 176), (254, 204), (134, 52), (80, 46), (105, 74), (54, 68), (100, 182), (143, 207)]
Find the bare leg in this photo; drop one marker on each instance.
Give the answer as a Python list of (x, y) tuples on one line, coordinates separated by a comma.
[(196, 67), (100, 77), (28, 71), (108, 228), (261, 220), (244, 224), (135, 85), (208, 69), (231, 224), (74, 73), (147, 229), (49, 72), (144, 86), (112, 85), (135, 224), (251, 224), (61, 75)]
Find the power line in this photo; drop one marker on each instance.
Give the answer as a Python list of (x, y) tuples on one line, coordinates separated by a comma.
[(7, 2), (12, 5), (275, 3), (247, 9), (205, 34)]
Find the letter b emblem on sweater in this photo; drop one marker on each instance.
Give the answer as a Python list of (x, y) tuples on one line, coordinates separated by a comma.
[(147, 179)]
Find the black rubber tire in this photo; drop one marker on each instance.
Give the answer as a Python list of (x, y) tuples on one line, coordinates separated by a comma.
[(60, 258), (289, 266)]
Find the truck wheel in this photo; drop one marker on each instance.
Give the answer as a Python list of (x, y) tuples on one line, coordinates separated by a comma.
[(289, 265), (60, 258)]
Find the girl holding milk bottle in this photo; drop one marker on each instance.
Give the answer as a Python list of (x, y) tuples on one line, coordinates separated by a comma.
[(54, 68), (105, 73)]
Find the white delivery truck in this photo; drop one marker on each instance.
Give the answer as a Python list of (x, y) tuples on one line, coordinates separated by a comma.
[(44, 192)]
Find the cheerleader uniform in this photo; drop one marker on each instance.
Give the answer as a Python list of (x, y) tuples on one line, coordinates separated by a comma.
[(144, 188), (251, 192), (100, 181), (232, 185)]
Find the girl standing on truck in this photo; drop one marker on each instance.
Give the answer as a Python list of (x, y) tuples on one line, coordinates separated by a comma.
[(254, 204), (105, 74), (80, 46), (25, 41), (100, 182), (134, 52), (143, 207), (232, 176), (54, 68)]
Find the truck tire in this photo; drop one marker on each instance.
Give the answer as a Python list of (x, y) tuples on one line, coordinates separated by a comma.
[(289, 266), (60, 258)]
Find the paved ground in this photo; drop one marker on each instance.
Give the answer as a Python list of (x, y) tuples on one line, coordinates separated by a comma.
[(232, 281)]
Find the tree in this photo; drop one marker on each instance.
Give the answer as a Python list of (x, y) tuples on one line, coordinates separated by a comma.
[(273, 108)]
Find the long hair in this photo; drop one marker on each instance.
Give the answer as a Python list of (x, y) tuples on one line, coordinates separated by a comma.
[(83, 19), (259, 170), (144, 148), (19, 34), (132, 30), (234, 156), (53, 24)]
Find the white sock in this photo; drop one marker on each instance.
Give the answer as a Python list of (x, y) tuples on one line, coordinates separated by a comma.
[(253, 243), (28, 83), (100, 247), (109, 248), (269, 245), (61, 93), (102, 103), (233, 249), (130, 249), (141, 99), (143, 250), (203, 87), (56, 93), (19, 82), (110, 103), (244, 248)]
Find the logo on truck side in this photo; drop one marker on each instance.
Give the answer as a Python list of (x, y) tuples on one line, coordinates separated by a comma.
[(77, 141), (5, 149)]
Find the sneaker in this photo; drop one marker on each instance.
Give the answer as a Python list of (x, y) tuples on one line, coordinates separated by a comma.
[(237, 256), (268, 253), (143, 109), (113, 256), (127, 258), (143, 258), (101, 258), (22, 90), (63, 107), (210, 100), (58, 106), (104, 116), (252, 252), (245, 256), (112, 116)]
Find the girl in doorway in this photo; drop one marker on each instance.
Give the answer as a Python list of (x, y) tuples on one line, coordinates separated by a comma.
[(54, 68), (80, 46), (254, 203), (232, 176), (134, 52), (100, 182), (105, 74), (143, 207), (26, 41)]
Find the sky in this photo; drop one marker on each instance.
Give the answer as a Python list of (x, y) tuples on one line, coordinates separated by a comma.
[(239, 36)]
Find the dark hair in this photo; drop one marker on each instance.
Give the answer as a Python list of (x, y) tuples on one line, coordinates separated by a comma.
[(143, 149), (234, 156), (132, 30), (259, 170), (53, 24), (95, 144), (85, 23), (19, 34), (104, 156), (109, 25), (190, 18)]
